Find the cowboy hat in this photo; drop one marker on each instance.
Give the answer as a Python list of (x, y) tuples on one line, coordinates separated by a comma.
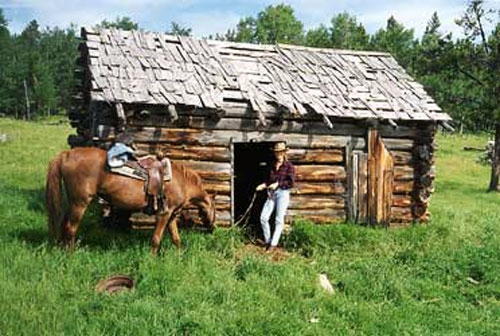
[(280, 147)]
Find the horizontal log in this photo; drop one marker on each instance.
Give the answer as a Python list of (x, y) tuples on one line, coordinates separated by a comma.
[(194, 137), (222, 154), (319, 173), (318, 188), (235, 106), (218, 207), (209, 171), (317, 219), (223, 223), (327, 215), (401, 214), (403, 187), (316, 202), (246, 120), (304, 156), (191, 218), (402, 158), (404, 173), (217, 187), (198, 153), (398, 144), (251, 123), (223, 216), (216, 167), (401, 201), (222, 202), (144, 222), (211, 176)]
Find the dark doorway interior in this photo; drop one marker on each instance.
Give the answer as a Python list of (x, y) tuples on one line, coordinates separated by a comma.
[(251, 160)]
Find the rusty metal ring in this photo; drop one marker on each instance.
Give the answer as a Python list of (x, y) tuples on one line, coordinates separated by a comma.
[(114, 284)]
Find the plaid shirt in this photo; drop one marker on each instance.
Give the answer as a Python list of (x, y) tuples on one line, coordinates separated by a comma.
[(285, 176)]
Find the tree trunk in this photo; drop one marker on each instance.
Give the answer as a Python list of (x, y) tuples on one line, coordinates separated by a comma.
[(495, 164)]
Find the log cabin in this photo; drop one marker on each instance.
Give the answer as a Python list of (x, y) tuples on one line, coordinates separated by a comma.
[(360, 130)]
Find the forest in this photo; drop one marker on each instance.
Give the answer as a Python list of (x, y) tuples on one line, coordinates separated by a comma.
[(461, 73)]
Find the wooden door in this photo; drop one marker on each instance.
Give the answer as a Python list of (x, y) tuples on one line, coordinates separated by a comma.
[(371, 183), (380, 180)]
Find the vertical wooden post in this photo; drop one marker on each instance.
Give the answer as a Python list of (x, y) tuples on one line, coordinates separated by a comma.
[(362, 189), (372, 176), (350, 182), (232, 220)]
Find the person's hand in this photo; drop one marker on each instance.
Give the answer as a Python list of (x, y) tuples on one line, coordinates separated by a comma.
[(260, 187), (273, 186)]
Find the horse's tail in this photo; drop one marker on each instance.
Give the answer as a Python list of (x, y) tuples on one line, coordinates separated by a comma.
[(53, 198)]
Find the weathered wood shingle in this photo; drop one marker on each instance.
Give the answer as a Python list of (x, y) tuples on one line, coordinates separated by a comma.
[(159, 69)]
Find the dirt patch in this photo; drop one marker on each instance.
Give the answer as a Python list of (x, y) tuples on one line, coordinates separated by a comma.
[(277, 255)]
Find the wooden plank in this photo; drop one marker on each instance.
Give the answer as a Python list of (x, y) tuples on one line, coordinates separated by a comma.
[(362, 187), (319, 173), (372, 176), (352, 185), (387, 172), (380, 183)]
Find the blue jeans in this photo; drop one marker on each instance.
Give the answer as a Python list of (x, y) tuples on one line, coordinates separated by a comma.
[(279, 200)]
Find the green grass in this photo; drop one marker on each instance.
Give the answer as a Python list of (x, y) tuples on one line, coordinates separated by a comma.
[(402, 281)]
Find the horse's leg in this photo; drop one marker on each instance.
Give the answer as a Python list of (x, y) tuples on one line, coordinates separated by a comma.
[(72, 221), (174, 232), (161, 221)]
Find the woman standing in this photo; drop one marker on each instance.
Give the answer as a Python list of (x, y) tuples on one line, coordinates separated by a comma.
[(280, 180)]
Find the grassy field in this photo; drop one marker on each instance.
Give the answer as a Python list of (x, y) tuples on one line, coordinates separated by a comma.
[(439, 278)]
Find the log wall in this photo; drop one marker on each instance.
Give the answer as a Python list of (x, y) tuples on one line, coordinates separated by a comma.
[(322, 156), (319, 161)]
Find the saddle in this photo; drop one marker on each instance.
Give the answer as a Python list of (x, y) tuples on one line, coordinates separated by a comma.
[(154, 172)]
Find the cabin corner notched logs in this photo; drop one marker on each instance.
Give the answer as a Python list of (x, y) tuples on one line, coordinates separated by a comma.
[(336, 109)]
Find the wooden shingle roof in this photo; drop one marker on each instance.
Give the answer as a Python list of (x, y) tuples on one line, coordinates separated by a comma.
[(134, 67)]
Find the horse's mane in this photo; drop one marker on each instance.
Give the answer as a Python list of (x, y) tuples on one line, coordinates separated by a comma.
[(189, 174)]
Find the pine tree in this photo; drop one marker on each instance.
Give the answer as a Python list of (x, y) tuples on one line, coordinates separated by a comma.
[(347, 33), (396, 40)]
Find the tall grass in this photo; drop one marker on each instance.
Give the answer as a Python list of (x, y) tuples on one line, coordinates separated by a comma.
[(438, 278)]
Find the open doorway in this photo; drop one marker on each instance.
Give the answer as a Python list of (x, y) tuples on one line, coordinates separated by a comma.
[(251, 160)]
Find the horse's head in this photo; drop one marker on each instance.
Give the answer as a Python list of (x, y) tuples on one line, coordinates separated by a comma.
[(206, 210)]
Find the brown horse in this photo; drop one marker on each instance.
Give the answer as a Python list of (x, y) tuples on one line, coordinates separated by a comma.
[(83, 171)]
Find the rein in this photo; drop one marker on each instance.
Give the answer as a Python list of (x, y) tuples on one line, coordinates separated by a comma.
[(247, 211)]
